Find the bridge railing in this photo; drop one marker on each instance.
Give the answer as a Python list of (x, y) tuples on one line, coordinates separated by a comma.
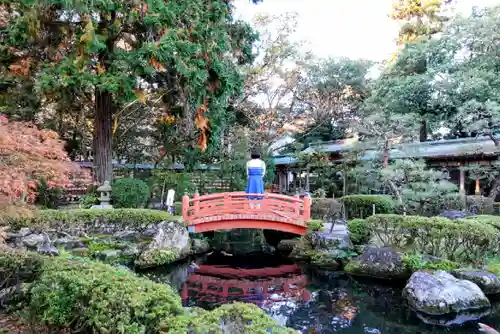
[(291, 208)]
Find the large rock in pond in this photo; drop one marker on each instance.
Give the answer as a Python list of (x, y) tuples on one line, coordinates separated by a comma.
[(287, 245), (382, 263), (170, 243), (338, 238), (441, 293), (199, 246), (488, 282)]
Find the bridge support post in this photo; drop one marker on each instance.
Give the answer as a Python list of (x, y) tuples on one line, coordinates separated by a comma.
[(307, 209), (185, 206), (196, 203)]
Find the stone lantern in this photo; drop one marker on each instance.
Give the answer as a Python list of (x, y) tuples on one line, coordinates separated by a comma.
[(105, 196)]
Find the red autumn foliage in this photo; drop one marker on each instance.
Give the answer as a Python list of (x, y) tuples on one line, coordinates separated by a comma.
[(26, 155)]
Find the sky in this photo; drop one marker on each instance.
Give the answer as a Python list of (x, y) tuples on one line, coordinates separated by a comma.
[(340, 28)]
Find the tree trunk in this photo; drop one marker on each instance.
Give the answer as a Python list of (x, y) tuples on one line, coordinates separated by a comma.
[(103, 140), (423, 130), (385, 164)]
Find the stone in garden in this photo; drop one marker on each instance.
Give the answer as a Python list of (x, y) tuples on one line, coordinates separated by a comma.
[(126, 235), (24, 231), (131, 251), (382, 263), (287, 245), (67, 242), (108, 255), (441, 293), (488, 282), (337, 239), (32, 240), (455, 214), (46, 247), (171, 237), (199, 246)]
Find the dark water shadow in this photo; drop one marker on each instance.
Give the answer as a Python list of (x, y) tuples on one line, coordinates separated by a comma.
[(310, 300)]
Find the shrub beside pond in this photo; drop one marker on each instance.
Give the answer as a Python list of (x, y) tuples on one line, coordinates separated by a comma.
[(122, 218), (360, 231), (468, 240), (86, 296)]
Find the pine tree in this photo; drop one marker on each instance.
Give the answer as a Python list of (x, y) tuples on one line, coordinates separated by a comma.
[(106, 53)]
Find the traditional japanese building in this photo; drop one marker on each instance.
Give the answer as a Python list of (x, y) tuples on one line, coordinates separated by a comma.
[(447, 154)]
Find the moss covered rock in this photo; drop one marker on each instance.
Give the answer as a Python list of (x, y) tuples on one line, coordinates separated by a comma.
[(382, 263), (287, 245), (488, 282), (156, 257), (170, 243), (228, 319), (303, 250)]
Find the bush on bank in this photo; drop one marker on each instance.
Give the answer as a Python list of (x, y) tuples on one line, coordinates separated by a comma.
[(361, 206), (92, 297), (467, 240), (131, 218)]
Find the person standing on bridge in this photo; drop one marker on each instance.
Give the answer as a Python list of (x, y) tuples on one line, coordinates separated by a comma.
[(256, 169)]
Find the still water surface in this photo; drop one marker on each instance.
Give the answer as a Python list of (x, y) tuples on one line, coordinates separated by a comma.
[(309, 300)]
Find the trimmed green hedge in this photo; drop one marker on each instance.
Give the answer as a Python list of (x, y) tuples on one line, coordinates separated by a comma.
[(467, 240), (91, 297), (134, 218), (360, 231), (483, 219), (361, 206)]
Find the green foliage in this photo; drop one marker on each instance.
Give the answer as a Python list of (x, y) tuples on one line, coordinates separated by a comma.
[(96, 297), (467, 241), (121, 218), (87, 200), (129, 193), (314, 225), (493, 265), (361, 206), (424, 191), (417, 262), (483, 219), (46, 196), (319, 193), (82, 295), (360, 231), (181, 183), (156, 257), (322, 208)]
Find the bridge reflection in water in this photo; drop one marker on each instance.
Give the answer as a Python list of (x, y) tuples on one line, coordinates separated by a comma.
[(215, 285)]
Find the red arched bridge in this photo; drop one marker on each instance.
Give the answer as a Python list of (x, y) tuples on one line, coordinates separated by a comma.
[(226, 211), (212, 284)]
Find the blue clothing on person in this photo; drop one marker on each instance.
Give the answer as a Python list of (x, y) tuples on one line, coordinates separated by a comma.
[(256, 169)]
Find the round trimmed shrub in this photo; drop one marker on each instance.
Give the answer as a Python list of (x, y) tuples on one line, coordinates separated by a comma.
[(361, 206), (360, 231), (129, 193)]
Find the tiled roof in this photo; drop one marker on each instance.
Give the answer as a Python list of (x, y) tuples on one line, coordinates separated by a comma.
[(430, 149)]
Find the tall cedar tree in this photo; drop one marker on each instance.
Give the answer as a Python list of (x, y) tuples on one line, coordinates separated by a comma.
[(116, 51), (420, 19)]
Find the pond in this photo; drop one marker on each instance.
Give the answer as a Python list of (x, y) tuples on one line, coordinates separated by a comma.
[(312, 301)]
